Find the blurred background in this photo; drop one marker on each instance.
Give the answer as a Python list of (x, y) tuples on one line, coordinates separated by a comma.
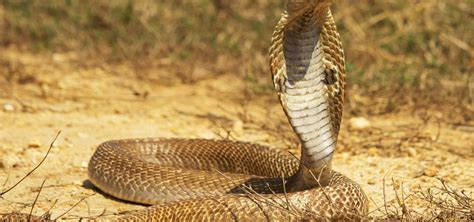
[(415, 53)]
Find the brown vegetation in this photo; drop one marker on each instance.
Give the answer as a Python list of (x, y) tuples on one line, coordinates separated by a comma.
[(408, 46)]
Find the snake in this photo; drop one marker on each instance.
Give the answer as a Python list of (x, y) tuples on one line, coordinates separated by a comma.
[(223, 180)]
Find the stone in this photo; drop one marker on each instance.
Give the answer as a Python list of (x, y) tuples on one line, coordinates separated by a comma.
[(371, 182), (373, 151), (359, 123), (34, 144), (8, 107), (10, 160), (430, 172)]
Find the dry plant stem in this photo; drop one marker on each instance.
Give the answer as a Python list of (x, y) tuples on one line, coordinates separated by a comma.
[(101, 214), (6, 181), (77, 203), (378, 208), (396, 198), (89, 218), (439, 207), (463, 201), (401, 202), (384, 197), (36, 167), (326, 195), (50, 208), (36, 199), (404, 207), (267, 218), (287, 206), (317, 179), (250, 192), (283, 181)]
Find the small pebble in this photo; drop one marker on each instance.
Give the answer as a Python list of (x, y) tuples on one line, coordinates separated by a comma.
[(238, 127), (8, 107), (33, 155), (174, 130), (430, 172), (412, 152), (373, 151), (396, 184), (10, 160), (371, 182), (359, 123), (206, 134), (84, 164), (82, 135), (78, 182), (418, 173), (34, 144), (345, 156)]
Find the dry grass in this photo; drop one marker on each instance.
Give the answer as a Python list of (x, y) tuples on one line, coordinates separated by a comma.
[(417, 52), (438, 203), (411, 46)]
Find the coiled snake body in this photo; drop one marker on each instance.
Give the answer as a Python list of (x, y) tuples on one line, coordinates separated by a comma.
[(223, 180)]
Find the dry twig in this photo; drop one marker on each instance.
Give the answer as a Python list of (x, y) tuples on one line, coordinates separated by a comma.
[(36, 167)]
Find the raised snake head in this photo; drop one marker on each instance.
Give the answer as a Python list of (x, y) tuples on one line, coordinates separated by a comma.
[(296, 8)]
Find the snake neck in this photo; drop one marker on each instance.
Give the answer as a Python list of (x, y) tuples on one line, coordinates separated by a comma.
[(305, 94)]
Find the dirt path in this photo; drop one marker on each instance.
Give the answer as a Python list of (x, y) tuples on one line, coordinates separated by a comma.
[(92, 105)]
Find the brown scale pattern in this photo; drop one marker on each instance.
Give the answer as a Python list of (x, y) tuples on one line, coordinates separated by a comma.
[(185, 168), (22, 217), (332, 203), (332, 47)]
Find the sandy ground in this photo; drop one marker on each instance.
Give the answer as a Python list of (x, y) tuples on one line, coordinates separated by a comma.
[(406, 152)]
